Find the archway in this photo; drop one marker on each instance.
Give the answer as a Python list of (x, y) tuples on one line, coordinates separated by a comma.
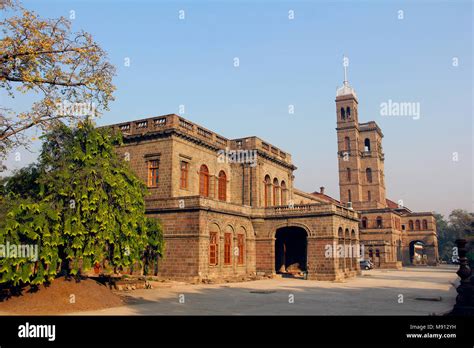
[(417, 252), (291, 250)]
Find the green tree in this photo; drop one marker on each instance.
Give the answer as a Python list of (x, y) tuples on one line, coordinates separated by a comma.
[(87, 207), (459, 226), (445, 238), (44, 58)]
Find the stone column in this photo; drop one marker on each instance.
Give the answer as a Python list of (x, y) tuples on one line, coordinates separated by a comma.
[(321, 267), (432, 254), (264, 248)]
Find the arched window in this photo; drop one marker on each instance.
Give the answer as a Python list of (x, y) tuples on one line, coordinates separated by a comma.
[(349, 174), (204, 181), (241, 248), (349, 196), (347, 143), (367, 144), (228, 246), (267, 190), (222, 191), (377, 253), (213, 246), (371, 253), (364, 222), (343, 114), (379, 222), (283, 193), (368, 175), (425, 224), (348, 112), (417, 224), (276, 189), (410, 225)]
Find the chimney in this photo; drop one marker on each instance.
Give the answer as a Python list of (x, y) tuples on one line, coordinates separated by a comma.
[(321, 189)]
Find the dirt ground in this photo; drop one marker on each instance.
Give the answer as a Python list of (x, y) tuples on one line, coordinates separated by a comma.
[(62, 296), (411, 291)]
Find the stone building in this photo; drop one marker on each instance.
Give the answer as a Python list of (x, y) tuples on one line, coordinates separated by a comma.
[(229, 208), (392, 235)]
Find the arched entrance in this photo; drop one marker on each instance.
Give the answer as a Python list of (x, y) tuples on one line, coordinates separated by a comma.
[(417, 253), (291, 250)]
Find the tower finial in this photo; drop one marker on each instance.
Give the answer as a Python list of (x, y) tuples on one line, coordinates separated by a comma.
[(345, 63), (346, 89)]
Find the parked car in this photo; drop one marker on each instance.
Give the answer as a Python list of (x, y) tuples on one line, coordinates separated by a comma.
[(366, 264)]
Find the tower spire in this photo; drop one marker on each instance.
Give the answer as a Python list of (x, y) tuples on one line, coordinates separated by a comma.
[(346, 89), (345, 63)]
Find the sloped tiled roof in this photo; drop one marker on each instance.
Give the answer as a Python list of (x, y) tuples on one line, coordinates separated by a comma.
[(325, 197)]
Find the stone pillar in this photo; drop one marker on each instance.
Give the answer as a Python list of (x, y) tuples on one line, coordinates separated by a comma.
[(265, 258), (406, 255), (432, 254), (264, 248), (321, 267)]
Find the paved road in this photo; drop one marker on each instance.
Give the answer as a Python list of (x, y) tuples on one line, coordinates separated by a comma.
[(376, 292)]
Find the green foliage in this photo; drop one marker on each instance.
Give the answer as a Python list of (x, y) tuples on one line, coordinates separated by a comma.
[(155, 246), (84, 206), (460, 225)]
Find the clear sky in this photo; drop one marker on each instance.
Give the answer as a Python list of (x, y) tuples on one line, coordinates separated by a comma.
[(298, 62)]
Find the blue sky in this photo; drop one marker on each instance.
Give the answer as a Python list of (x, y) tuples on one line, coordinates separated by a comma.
[(298, 61)]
